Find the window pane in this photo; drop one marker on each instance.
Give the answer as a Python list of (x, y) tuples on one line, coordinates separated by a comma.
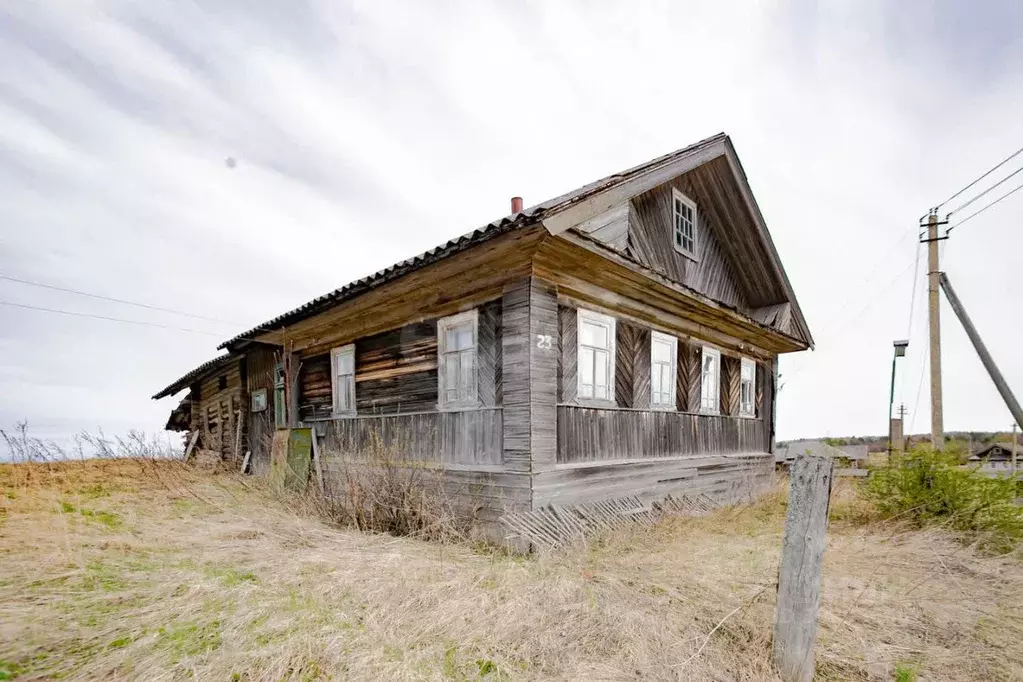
[(586, 370), (345, 363), (450, 339), (467, 377), (451, 369), (463, 338), (594, 335), (661, 351), (600, 369)]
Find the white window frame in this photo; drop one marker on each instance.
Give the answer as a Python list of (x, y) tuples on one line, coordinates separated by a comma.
[(655, 403), (677, 196), (335, 355), (470, 399), (607, 321), (748, 409), (715, 407)]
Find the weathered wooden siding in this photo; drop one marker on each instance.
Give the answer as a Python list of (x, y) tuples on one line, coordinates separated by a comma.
[(587, 434), (530, 371), (259, 372), (651, 242), (730, 378), (396, 371), (466, 437), (767, 405), (688, 374), (315, 399), (543, 369), (219, 411), (718, 476), (610, 227), (568, 351), (489, 361), (632, 366)]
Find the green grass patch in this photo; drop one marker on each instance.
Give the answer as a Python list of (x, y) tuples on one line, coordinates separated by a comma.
[(229, 575), (105, 518), (9, 670), (190, 638)]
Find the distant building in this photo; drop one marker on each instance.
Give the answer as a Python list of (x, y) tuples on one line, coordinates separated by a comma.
[(850, 457), (996, 458)]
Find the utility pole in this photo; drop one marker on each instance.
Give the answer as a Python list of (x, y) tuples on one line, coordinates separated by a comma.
[(937, 420), (985, 357)]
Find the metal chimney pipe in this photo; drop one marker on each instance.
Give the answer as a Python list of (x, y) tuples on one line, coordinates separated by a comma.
[(516, 205)]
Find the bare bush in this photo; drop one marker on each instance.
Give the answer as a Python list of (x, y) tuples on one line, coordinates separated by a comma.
[(383, 489), (23, 447)]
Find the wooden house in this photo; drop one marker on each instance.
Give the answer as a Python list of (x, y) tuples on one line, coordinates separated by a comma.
[(996, 458), (621, 339)]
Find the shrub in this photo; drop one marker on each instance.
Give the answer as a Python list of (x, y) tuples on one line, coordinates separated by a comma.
[(382, 489), (928, 486)]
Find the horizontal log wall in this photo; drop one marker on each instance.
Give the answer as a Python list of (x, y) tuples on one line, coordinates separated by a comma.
[(466, 437), (588, 434)]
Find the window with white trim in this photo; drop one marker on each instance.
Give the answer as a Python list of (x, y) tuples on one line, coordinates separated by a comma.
[(683, 211), (456, 360), (710, 383), (663, 354), (596, 356), (342, 366), (748, 389)]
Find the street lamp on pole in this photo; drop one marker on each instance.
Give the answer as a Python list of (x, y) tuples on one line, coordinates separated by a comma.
[(900, 351)]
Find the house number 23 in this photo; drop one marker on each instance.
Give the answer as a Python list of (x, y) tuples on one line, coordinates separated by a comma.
[(544, 341)]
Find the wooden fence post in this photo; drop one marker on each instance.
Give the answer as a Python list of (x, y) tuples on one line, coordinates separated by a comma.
[(799, 575)]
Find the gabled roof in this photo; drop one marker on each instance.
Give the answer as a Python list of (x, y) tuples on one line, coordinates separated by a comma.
[(997, 451), (191, 377), (557, 215)]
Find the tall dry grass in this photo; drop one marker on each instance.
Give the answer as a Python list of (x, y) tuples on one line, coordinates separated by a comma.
[(143, 570), (382, 489)]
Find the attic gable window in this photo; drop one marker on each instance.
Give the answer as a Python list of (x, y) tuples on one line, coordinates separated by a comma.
[(342, 363), (456, 360), (710, 384), (747, 388), (684, 219), (596, 356)]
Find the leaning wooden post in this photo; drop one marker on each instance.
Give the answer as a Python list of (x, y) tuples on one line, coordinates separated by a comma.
[(799, 576)]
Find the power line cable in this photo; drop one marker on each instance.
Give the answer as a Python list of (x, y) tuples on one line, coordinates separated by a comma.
[(912, 296), (986, 207), (1007, 160), (115, 300), (1010, 175), (109, 319)]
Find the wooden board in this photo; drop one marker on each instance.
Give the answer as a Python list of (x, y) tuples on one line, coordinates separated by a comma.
[(463, 437), (300, 454), (278, 459), (595, 434)]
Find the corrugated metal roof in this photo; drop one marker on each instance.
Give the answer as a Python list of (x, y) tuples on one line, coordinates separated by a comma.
[(529, 216), (209, 366)]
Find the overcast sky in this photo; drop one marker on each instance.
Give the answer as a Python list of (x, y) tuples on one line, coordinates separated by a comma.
[(365, 133)]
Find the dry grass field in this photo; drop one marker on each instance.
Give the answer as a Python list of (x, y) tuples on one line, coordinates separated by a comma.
[(152, 571)]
